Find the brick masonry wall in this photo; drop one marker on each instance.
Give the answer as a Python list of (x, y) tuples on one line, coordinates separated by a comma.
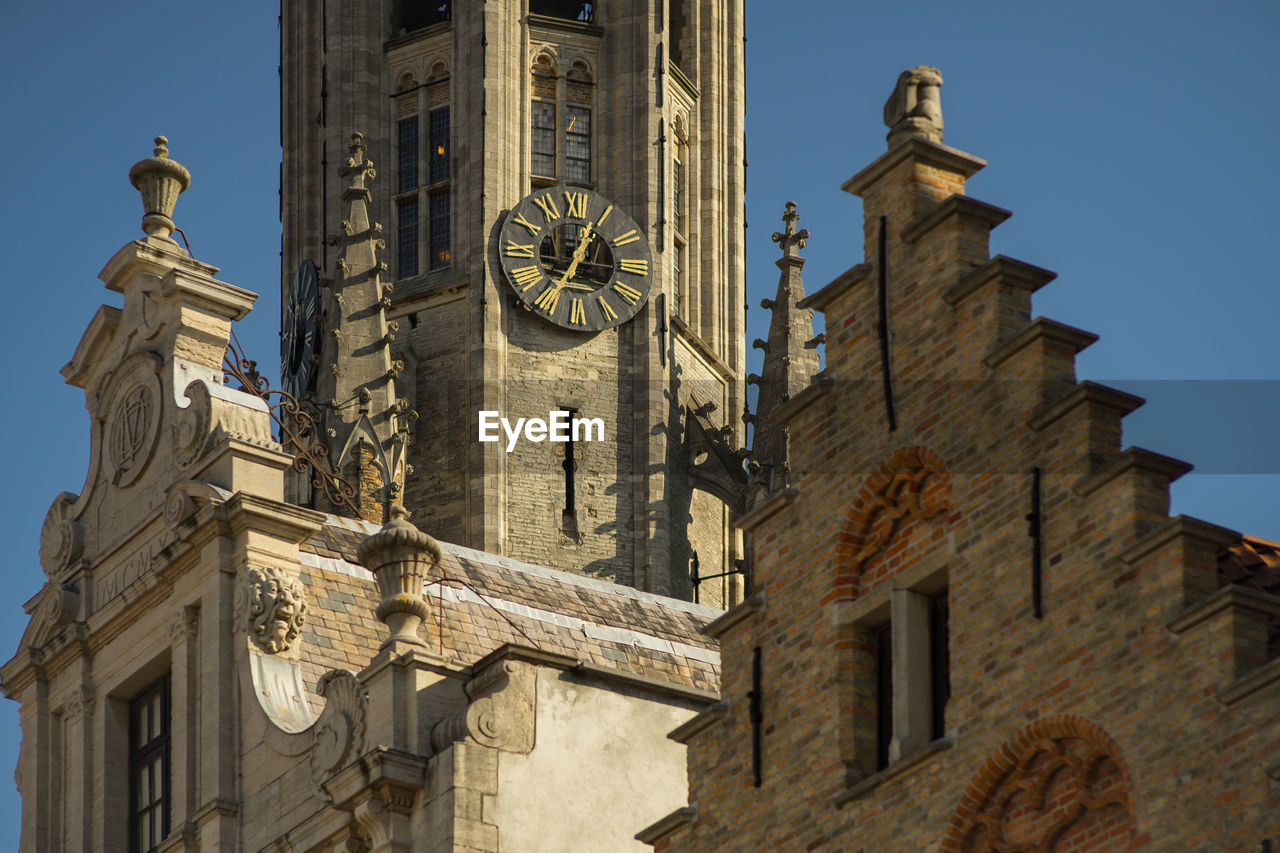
[(1124, 722)]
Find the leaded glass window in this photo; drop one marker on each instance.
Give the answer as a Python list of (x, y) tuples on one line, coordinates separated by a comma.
[(544, 139)]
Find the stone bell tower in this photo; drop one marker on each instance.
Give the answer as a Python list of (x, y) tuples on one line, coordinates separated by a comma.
[(468, 108)]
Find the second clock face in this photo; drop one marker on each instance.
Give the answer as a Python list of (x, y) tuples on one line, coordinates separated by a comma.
[(573, 257)]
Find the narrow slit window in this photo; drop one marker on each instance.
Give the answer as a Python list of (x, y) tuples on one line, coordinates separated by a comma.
[(939, 662), (577, 145), (544, 139), (407, 238), (408, 160), (149, 771), (884, 694), (439, 140), (440, 232)]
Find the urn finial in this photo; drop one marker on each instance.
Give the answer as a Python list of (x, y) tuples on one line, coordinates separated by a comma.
[(160, 181), (402, 559)]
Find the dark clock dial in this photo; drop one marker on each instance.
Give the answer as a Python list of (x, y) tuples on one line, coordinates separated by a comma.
[(300, 332), (575, 259)]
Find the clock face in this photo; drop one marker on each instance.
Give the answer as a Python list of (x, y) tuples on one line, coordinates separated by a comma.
[(573, 257), (300, 333)]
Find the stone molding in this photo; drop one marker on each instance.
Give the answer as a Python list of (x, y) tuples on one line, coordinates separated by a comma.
[(500, 713)]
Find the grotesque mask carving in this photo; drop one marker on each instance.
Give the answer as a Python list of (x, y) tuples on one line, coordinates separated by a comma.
[(272, 608)]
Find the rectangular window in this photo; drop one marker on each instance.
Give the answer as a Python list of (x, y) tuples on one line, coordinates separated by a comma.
[(939, 662), (570, 10), (677, 195), (438, 202), (149, 768), (677, 272), (544, 139), (577, 146), (438, 121), (407, 238), (408, 148), (884, 694)]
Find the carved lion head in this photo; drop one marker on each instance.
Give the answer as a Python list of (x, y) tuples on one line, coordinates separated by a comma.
[(272, 608)]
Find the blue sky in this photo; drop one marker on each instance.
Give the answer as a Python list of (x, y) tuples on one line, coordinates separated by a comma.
[(1131, 141)]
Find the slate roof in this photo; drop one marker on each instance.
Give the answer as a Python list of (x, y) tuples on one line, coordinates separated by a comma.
[(584, 618), (1254, 563)]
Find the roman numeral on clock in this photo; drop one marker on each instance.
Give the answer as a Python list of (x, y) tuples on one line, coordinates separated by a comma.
[(548, 299), (606, 309), (519, 250), (628, 293), (635, 266), (520, 220), (577, 204), (625, 238), (577, 313), (548, 205), (527, 277)]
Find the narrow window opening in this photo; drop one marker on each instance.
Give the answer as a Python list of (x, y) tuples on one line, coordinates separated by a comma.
[(577, 145), (149, 768), (408, 159), (569, 10), (544, 140), (407, 237), (939, 662), (440, 230), (570, 466), (884, 694)]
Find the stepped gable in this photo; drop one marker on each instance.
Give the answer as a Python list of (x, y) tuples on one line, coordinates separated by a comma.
[(594, 621), (951, 477)]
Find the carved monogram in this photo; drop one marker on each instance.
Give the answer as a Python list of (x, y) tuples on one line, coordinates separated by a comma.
[(272, 608)]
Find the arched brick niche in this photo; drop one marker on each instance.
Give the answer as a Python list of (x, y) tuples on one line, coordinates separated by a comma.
[(910, 486), (1060, 785)]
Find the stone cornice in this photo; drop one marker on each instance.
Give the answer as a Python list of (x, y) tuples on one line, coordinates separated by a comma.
[(775, 504), (1134, 459), (678, 819), (819, 388), (1039, 329), (961, 206), (1230, 597), (744, 610), (821, 298), (291, 523), (701, 347), (1009, 270), (921, 150), (1086, 392), (703, 720), (1212, 535)]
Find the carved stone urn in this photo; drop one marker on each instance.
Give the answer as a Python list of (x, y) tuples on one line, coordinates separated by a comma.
[(402, 559), (160, 181)]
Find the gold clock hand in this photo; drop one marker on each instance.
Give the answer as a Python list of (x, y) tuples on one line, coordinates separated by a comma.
[(579, 254)]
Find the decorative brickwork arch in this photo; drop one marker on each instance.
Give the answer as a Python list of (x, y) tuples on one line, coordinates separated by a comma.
[(912, 484), (1060, 785)]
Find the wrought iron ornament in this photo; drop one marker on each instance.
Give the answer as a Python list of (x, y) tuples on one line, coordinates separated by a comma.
[(299, 433)]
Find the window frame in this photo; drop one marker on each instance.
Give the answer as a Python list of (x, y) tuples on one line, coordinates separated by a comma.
[(144, 756)]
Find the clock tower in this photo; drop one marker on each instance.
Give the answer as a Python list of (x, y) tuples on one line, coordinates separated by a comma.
[(559, 189)]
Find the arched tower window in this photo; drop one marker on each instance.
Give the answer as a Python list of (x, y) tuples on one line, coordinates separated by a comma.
[(407, 175), (546, 79), (561, 122), (439, 197), (577, 130)]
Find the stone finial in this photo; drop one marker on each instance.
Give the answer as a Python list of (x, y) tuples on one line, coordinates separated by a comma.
[(915, 107), (402, 559), (160, 181), (789, 239)]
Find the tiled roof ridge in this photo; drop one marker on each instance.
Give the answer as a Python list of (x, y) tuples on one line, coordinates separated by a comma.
[(590, 629), (367, 528)]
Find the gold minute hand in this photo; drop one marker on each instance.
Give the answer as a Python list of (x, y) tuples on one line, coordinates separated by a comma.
[(579, 254)]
